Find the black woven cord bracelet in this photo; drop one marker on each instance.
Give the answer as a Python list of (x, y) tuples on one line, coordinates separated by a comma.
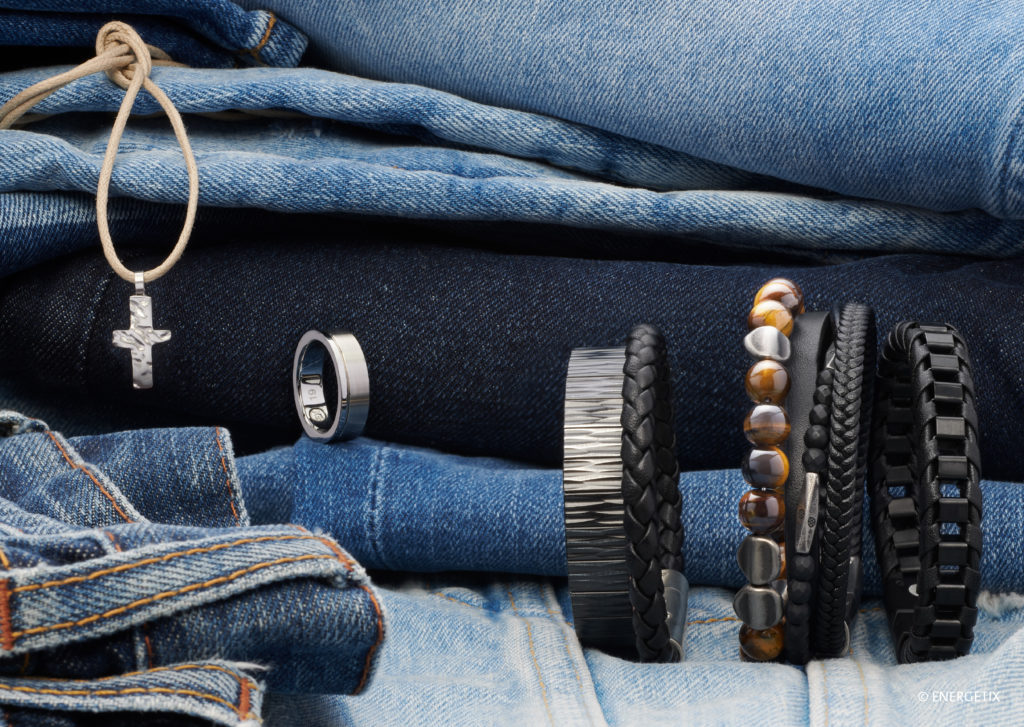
[(650, 492), (811, 339), (925, 493), (620, 443), (844, 438)]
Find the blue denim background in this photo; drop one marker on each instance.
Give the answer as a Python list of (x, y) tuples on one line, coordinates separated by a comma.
[(467, 349), (919, 104), (129, 564), (195, 32)]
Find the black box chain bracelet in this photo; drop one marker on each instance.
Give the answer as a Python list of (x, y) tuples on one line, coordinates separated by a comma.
[(925, 491)]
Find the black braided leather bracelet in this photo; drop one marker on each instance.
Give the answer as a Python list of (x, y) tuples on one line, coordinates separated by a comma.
[(650, 491), (925, 493), (848, 393)]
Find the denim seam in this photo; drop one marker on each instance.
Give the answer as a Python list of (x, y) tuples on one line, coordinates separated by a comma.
[(368, 664), (533, 655), (167, 594), (100, 293), (1008, 154), (123, 692), (139, 633), (376, 474), (159, 559), (558, 620), (84, 468), (258, 48), (227, 476)]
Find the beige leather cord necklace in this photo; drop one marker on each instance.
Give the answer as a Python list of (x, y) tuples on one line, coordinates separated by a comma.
[(127, 61)]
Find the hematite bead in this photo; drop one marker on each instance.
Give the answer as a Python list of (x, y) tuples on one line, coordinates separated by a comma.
[(784, 291), (816, 436), (768, 342), (766, 467), (762, 511), (767, 382), (815, 460), (758, 606), (761, 644), (771, 313), (760, 559), (766, 425)]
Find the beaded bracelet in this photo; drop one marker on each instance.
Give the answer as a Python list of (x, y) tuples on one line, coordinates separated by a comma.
[(761, 554)]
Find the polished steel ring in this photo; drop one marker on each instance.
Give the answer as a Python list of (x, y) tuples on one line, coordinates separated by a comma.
[(353, 385)]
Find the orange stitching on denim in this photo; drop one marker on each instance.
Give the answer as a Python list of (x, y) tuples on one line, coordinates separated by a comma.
[(149, 647), (255, 52), (4, 560), (177, 667), (149, 561), (76, 466), (6, 630), (376, 644), (113, 540), (120, 692), (340, 554), (864, 684), (533, 654), (227, 477), (167, 594), (712, 620), (244, 707), (561, 625)]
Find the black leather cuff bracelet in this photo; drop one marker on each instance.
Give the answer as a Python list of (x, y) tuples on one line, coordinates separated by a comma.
[(622, 504), (925, 493)]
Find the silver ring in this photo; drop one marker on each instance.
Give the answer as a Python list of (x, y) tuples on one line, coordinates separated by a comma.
[(353, 385)]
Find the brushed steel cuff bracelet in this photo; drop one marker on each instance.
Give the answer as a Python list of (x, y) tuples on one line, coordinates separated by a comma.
[(351, 404)]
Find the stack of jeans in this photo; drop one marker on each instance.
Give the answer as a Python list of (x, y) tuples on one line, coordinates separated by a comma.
[(473, 189)]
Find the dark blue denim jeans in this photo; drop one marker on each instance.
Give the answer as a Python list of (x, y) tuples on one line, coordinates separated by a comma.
[(468, 349)]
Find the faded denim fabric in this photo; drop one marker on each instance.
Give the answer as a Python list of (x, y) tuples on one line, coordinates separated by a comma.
[(130, 568), (917, 103), (407, 151), (216, 33)]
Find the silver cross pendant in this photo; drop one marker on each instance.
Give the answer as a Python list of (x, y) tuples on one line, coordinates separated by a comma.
[(140, 336)]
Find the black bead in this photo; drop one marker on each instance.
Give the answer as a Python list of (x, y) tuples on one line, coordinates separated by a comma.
[(815, 460), (798, 613), (801, 567), (816, 436), (823, 394), (800, 591), (825, 377), (819, 415)]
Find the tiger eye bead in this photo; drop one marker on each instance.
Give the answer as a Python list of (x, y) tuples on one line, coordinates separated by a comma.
[(771, 313), (766, 425), (762, 511), (762, 644), (767, 382), (766, 467), (784, 291)]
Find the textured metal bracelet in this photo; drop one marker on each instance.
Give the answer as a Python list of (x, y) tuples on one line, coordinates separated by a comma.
[(611, 610), (925, 491)]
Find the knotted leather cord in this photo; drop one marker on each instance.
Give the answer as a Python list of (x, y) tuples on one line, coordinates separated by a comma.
[(127, 61)]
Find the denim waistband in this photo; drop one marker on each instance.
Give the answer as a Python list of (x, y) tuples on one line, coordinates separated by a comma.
[(197, 32), (468, 349), (920, 106)]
